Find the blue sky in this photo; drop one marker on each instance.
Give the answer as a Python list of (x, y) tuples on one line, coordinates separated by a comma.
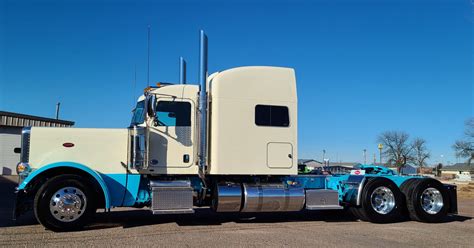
[(362, 67)]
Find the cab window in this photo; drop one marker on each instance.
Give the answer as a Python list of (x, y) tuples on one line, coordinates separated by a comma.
[(171, 114)]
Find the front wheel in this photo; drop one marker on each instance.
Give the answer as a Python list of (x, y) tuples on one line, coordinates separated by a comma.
[(64, 203), (381, 201)]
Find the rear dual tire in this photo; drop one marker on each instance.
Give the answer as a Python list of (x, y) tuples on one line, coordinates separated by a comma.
[(381, 201), (419, 199), (426, 200)]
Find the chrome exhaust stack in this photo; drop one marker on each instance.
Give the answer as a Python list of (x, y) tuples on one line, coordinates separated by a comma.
[(203, 105), (182, 70)]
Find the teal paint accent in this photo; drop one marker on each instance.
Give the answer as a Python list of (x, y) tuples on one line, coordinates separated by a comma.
[(375, 169), (308, 181), (337, 182), (82, 167), (117, 185), (132, 193)]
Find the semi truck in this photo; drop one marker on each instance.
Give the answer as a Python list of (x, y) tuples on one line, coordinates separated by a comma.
[(228, 143)]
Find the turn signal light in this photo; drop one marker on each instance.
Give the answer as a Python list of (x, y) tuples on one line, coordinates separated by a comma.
[(22, 168)]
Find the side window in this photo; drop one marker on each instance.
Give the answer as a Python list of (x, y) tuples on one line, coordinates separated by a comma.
[(170, 113), (274, 116)]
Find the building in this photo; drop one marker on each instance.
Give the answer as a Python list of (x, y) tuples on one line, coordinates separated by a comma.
[(311, 164), (334, 168), (11, 125), (409, 169), (459, 171)]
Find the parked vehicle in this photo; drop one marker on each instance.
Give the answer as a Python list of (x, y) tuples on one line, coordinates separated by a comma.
[(229, 143)]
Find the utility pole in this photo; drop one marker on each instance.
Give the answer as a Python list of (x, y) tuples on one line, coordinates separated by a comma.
[(365, 156), (57, 110), (380, 152), (324, 154)]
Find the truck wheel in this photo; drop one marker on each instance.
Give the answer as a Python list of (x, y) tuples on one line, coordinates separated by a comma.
[(427, 201), (64, 203), (381, 201)]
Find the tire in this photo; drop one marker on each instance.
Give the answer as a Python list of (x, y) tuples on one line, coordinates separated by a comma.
[(65, 203), (405, 188), (424, 203), (381, 201), (358, 213)]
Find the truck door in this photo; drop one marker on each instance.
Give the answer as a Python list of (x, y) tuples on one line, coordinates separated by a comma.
[(171, 139)]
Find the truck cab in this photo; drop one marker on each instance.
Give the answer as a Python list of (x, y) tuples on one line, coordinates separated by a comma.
[(252, 115)]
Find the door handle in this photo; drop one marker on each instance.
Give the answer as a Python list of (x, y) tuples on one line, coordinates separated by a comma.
[(186, 158)]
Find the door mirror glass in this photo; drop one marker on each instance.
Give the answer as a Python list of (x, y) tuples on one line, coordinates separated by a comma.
[(151, 105)]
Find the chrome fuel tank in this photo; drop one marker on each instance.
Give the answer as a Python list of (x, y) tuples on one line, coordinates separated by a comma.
[(272, 198), (227, 197)]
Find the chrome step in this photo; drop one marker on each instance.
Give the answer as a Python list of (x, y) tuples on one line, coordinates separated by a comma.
[(171, 197)]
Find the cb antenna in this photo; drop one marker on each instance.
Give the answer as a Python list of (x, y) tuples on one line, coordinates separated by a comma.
[(134, 89)]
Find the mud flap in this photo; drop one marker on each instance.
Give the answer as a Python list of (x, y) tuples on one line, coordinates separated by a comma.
[(453, 198), (21, 204)]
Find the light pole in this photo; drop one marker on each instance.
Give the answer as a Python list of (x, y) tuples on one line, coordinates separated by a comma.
[(380, 152), (324, 154)]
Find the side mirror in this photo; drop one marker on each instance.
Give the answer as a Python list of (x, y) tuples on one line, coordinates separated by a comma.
[(151, 105)]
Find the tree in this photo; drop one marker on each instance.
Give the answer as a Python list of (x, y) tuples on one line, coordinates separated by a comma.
[(465, 148), (397, 150), (420, 152)]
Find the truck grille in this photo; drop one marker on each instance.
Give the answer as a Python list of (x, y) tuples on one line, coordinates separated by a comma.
[(25, 145)]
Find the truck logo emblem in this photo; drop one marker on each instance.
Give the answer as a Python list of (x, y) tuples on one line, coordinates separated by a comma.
[(68, 145)]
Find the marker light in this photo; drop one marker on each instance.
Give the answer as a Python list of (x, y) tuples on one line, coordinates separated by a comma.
[(22, 168)]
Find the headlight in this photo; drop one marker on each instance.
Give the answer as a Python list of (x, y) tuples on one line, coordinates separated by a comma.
[(23, 169)]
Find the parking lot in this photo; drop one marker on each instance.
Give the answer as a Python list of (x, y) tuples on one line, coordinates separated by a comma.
[(130, 227)]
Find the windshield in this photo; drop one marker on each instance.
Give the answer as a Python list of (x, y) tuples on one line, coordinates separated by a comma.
[(138, 115)]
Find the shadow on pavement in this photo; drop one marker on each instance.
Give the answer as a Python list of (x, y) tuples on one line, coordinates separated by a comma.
[(206, 217)]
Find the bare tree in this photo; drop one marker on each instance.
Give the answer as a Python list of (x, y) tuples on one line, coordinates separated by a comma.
[(465, 148), (397, 150), (420, 152)]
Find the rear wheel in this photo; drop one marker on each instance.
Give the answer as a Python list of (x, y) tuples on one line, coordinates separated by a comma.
[(381, 201), (427, 201), (64, 203)]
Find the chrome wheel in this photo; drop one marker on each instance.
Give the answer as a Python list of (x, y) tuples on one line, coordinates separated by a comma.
[(68, 204), (382, 200), (432, 201)]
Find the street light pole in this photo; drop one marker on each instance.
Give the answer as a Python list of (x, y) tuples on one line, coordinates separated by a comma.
[(324, 154), (380, 152), (365, 156)]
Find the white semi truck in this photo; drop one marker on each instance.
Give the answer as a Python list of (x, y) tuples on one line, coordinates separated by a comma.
[(229, 143)]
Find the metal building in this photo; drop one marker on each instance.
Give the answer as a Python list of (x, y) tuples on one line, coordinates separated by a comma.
[(10, 136)]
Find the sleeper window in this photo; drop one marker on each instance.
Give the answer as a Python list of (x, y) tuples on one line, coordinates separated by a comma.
[(274, 116)]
